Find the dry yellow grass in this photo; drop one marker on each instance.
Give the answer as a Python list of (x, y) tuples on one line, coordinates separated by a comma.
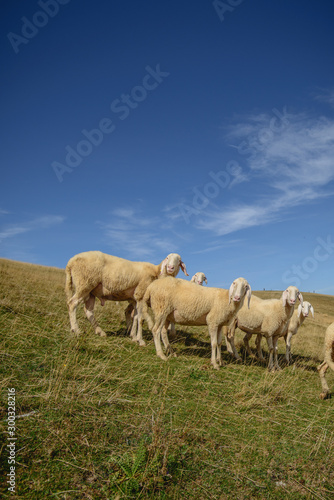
[(104, 418)]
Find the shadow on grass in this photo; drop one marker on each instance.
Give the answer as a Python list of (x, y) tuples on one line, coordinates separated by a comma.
[(303, 362), (119, 332), (187, 344)]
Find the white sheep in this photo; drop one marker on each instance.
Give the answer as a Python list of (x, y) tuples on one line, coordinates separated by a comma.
[(96, 274), (199, 278), (179, 301), (328, 361), (268, 317), (295, 322), (129, 312), (297, 319)]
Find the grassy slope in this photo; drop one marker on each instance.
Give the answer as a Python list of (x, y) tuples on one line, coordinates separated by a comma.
[(114, 421)]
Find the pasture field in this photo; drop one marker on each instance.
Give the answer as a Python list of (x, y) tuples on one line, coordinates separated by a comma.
[(102, 418)]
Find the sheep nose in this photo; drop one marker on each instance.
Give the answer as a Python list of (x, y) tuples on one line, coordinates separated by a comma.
[(237, 298)]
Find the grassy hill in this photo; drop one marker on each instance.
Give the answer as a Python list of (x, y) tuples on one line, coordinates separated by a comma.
[(102, 418)]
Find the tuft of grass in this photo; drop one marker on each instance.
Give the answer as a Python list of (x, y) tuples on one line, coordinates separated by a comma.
[(102, 418)]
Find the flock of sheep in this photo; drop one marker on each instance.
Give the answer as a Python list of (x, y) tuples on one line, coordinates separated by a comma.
[(148, 287)]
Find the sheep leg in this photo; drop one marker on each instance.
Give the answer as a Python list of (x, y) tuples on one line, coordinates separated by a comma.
[(89, 311), (134, 323), (322, 370), (134, 327), (226, 335), (156, 331), (129, 315), (230, 342), (271, 353), (138, 321), (287, 339), (246, 343), (276, 365), (228, 345), (165, 339), (258, 346), (172, 331), (72, 309), (213, 331), (146, 316), (229, 332), (219, 348)]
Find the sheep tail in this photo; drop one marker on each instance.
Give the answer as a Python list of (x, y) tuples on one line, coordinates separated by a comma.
[(329, 354), (69, 288), (146, 302), (146, 314)]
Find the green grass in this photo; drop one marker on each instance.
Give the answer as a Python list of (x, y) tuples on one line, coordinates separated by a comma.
[(113, 421)]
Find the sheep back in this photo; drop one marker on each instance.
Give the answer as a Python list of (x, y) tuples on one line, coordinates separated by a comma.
[(111, 275), (185, 303), (266, 316)]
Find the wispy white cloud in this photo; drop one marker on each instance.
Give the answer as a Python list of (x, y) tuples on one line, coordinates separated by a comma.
[(44, 222), (326, 96), (293, 160), (227, 220), (302, 155), (138, 236), (213, 248)]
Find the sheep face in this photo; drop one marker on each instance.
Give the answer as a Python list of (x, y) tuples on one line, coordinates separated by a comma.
[(290, 296), (238, 290), (305, 309), (198, 278), (172, 264)]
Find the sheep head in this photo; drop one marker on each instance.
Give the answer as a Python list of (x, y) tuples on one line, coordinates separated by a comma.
[(198, 278), (290, 295), (305, 309), (172, 264), (239, 289)]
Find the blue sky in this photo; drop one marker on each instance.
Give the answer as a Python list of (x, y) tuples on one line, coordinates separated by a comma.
[(143, 128)]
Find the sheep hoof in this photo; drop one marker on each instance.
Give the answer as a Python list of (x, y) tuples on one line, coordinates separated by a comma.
[(142, 342), (76, 332), (163, 357), (100, 332), (170, 352), (325, 395)]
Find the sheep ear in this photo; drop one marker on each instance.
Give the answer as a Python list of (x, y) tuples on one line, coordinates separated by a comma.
[(285, 297), (183, 267), (230, 292), (163, 265), (312, 311), (206, 281), (249, 293), (193, 278), (300, 298), (300, 307)]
